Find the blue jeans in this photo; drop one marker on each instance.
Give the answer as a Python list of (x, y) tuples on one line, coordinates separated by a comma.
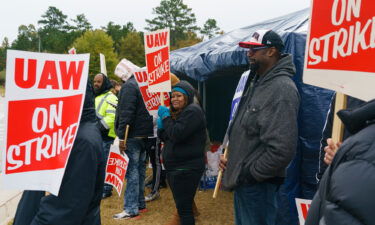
[(255, 204), (106, 147), (135, 176)]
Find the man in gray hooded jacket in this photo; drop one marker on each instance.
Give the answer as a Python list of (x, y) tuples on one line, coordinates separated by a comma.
[(263, 134)]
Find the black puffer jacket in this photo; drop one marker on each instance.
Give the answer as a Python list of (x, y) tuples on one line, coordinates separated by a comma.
[(185, 137), (346, 191), (132, 111)]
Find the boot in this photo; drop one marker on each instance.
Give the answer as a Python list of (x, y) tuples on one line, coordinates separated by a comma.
[(175, 219)]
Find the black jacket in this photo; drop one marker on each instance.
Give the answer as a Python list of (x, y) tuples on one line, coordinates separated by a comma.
[(78, 202), (185, 137), (346, 191), (352, 103), (132, 111)]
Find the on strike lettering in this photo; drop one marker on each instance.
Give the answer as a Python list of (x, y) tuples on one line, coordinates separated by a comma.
[(158, 72), (54, 117), (68, 78), (47, 146), (346, 40)]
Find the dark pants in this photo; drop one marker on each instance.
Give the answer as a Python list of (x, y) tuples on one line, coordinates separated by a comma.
[(158, 174), (107, 147), (183, 184)]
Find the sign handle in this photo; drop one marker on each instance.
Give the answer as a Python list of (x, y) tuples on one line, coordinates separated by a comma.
[(219, 177), (126, 134), (162, 98), (338, 126)]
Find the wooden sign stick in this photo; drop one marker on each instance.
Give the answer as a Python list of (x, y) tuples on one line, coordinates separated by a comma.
[(162, 98), (126, 134), (219, 176), (338, 126)]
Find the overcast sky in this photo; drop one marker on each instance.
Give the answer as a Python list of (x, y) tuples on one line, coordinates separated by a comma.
[(229, 14)]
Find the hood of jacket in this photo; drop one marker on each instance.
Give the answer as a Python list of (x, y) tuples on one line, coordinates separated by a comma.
[(284, 67), (186, 86), (358, 118), (106, 86), (88, 111)]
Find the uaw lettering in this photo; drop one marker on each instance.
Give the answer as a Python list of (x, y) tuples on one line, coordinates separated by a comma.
[(55, 75), (114, 180), (157, 40), (351, 36)]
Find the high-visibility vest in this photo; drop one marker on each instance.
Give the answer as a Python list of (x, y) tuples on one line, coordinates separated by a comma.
[(105, 107)]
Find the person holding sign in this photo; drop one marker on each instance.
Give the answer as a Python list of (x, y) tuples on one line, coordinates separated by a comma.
[(346, 190), (78, 201), (263, 135), (327, 146), (183, 130), (105, 106), (132, 111)]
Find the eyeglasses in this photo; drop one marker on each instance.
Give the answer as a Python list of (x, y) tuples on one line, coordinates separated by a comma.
[(255, 49)]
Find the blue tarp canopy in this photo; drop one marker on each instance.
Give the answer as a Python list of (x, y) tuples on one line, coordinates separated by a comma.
[(217, 64), (208, 58)]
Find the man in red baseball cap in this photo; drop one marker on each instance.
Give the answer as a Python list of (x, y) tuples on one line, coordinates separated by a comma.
[(267, 41), (263, 134)]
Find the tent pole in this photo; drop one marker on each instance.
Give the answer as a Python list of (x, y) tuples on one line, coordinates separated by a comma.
[(200, 88), (204, 96)]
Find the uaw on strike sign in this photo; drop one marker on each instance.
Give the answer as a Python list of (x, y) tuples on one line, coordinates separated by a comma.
[(44, 98), (117, 165), (157, 60), (151, 99), (340, 49)]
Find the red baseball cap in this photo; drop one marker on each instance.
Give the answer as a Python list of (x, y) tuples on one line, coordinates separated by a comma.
[(264, 38)]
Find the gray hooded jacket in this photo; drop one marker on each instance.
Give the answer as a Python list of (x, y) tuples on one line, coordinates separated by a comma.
[(263, 138)]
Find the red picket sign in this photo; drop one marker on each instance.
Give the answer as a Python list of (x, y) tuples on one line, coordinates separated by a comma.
[(340, 47), (151, 99), (157, 60), (44, 99)]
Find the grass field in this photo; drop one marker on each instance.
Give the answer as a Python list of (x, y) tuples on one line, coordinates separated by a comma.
[(217, 211)]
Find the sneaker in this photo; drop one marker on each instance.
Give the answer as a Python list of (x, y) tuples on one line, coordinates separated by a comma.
[(152, 196), (142, 210), (125, 215)]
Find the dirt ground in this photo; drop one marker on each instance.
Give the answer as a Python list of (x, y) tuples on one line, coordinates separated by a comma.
[(217, 211)]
